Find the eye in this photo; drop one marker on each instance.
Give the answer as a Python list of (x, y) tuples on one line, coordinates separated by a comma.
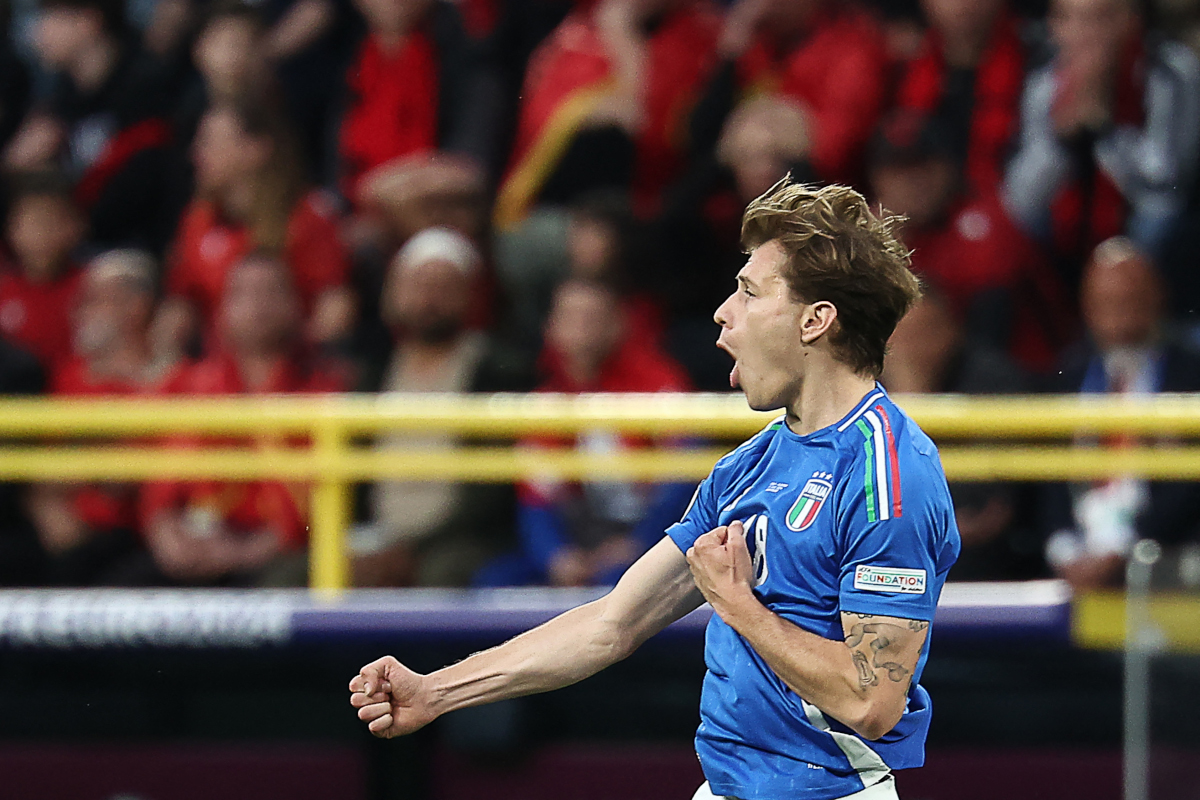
[(746, 291)]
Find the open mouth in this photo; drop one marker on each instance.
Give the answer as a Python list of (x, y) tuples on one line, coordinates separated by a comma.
[(734, 374)]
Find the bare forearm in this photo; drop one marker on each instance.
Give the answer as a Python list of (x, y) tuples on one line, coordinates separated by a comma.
[(653, 593), (820, 670), (561, 652)]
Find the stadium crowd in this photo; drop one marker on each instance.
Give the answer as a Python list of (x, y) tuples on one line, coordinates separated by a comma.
[(259, 196)]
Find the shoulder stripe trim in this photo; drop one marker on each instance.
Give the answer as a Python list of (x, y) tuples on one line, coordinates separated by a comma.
[(881, 470), (893, 461), (858, 412)]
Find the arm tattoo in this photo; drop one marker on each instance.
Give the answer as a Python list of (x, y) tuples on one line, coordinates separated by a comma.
[(866, 676), (917, 625), (881, 639)]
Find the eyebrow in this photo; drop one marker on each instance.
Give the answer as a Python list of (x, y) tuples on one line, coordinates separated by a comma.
[(742, 279)]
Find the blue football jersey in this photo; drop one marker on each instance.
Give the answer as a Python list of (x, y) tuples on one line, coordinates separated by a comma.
[(855, 517)]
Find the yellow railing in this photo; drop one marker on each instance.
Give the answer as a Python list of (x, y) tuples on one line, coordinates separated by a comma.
[(337, 452)]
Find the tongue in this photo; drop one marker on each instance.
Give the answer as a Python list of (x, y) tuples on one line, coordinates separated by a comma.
[(733, 376)]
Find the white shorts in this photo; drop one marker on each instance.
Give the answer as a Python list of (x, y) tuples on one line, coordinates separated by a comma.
[(884, 790)]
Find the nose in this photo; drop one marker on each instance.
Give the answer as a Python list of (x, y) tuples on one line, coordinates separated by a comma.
[(721, 315)]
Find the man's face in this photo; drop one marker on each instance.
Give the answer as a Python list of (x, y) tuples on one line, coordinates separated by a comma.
[(760, 327), (583, 325), (430, 299), (224, 51), (260, 310), (43, 230), (1121, 302), (61, 34), (1091, 33), (920, 192), (223, 153), (112, 311)]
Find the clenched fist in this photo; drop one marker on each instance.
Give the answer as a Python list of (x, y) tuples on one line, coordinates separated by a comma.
[(391, 698)]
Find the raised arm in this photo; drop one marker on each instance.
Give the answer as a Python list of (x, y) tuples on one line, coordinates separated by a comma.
[(657, 590), (861, 682)]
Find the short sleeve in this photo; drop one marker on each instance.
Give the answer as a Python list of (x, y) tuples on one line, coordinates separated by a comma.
[(890, 553), (699, 518)]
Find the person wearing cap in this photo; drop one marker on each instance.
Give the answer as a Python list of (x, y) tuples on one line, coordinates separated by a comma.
[(433, 533), (966, 246), (87, 530)]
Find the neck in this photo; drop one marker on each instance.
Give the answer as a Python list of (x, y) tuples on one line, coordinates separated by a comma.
[(965, 51), (127, 360), (94, 64), (257, 369), (825, 396), (428, 357), (238, 200)]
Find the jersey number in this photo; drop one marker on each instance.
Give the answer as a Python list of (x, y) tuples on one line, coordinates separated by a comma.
[(756, 526)]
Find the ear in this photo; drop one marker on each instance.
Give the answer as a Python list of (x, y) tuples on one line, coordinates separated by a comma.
[(816, 321)]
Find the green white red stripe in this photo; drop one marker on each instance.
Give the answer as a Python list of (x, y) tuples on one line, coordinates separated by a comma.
[(881, 476)]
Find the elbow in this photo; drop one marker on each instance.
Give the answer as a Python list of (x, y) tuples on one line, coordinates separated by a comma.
[(874, 722)]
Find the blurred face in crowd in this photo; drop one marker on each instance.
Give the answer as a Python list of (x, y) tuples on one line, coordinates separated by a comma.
[(1122, 296), (1092, 33), (921, 347), (429, 299), (763, 135), (225, 51), (43, 230), (115, 304), (583, 326), (761, 324), (224, 154), (962, 19), (63, 33), (592, 247), (391, 17), (920, 191), (260, 311)]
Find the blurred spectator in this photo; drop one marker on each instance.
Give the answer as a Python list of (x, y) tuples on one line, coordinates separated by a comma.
[(697, 239), (417, 84), (826, 56), (209, 532), (251, 194), (966, 246), (37, 291), (574, 534), (929, 353), (230, 56), (104, 121), (1093, 526), (968, 74), (15, 89), (438, 533), (397, 201), (406, 196), (1110, 131), (604, 104), (595, 239), (87, 531)]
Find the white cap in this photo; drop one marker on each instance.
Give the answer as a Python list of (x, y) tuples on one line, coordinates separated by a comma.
[(439, 244), (134, 266)]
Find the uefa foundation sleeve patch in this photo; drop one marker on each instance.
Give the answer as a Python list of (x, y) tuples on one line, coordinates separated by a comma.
[(889, 579)]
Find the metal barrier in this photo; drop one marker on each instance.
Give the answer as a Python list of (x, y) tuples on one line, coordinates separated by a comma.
[(323, 440)]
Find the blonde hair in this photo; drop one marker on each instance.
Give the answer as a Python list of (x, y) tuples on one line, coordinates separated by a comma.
[(839, 251)]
